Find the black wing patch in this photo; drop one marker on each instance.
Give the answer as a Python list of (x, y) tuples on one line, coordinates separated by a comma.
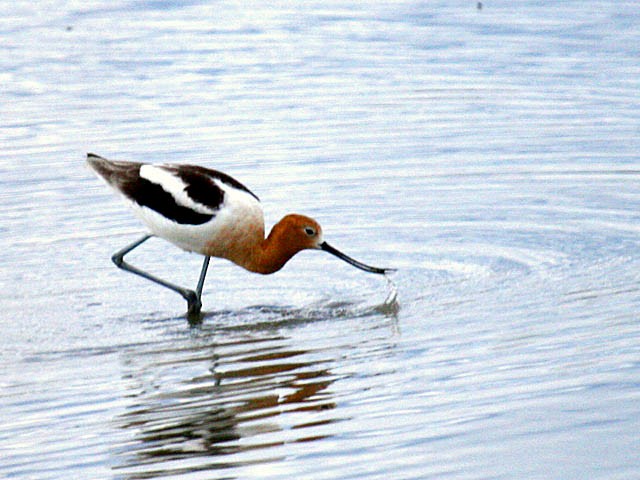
[(153, 196), (199, 181)]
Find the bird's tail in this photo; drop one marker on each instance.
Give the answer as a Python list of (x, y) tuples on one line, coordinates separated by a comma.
[(113, 172)]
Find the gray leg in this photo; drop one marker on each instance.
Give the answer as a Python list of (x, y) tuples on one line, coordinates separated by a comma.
[(203, 274), (192, 298)]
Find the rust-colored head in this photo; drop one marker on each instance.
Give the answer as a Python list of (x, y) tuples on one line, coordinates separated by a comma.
[(293, 234), (289, 236)]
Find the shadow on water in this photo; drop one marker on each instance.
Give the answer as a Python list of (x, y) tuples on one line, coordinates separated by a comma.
[(233, 389)]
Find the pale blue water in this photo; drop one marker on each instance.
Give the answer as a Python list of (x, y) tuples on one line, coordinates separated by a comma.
[(490, 155)]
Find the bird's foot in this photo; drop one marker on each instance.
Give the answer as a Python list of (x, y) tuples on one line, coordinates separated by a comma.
[(194, 305)]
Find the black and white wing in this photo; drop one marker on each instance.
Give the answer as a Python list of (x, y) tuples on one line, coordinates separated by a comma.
[(185, 194)]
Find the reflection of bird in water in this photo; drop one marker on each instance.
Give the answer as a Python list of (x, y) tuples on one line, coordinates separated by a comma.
[(210, 213), (206, 415)]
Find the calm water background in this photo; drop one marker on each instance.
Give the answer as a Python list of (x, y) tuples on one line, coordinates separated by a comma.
[(490, 155)]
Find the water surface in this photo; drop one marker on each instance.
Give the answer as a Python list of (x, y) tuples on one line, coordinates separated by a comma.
[(490, 155)]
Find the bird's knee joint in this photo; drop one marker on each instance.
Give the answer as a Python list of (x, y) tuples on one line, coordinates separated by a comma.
[(117, 259)]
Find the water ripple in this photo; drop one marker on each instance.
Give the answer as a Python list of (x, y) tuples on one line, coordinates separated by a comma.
[(490, 155)]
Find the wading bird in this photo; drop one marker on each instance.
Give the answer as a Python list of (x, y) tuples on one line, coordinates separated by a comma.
[(208, 212)]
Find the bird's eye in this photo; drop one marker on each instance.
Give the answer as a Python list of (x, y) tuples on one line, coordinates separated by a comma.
[(310, 231)]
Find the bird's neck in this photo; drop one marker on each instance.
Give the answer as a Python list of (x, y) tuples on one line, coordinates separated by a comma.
[(273, 252)]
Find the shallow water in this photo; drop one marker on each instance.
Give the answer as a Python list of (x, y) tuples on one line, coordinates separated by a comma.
[(491, 156)]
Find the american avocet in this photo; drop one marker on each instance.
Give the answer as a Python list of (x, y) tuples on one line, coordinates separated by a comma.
[(208, 212)]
